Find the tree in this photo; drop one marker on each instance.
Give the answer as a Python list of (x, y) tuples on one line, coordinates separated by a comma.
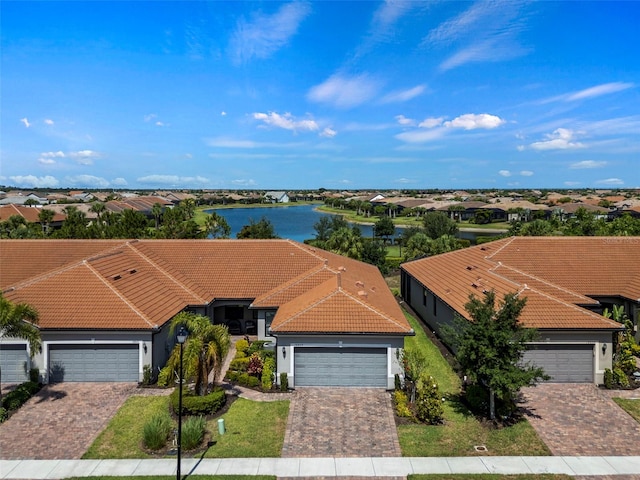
[(482, 217), (20, 320), (489, 348), (327, 225), (204, 352), (346, 241), (31, 202), (375, 253), (45, 216), (156, 211), (384, 228), (261, 229), (216, 226), (75, 225), (419, 245), (437, 224), (188, 205)]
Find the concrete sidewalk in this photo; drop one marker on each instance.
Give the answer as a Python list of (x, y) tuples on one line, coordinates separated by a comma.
[(320, 467)]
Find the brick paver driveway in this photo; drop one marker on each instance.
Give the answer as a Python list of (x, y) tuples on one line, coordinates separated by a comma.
[(580, 419), (341, 422), (62, 420)]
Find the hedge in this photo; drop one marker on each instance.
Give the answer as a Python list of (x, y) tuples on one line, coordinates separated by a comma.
[(193, 404)]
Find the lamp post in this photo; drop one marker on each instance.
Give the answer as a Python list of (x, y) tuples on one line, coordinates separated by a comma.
[(181, 338)]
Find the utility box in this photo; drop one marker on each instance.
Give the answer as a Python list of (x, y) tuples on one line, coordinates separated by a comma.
[(221, 426)]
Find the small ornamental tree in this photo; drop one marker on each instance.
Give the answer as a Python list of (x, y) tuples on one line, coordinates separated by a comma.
[(489, 348)]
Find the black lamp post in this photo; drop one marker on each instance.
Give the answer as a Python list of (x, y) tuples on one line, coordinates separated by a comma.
[(181, 338)]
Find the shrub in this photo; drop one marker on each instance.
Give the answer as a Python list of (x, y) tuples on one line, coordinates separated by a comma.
[(156, 431), (193, 404), (267, 373), (620, 377), (193, 432), (284, 381), (397, 383), (17, 397), (248, 380), (147, 375), (401, 402), (4, 414), (256, 346), (477, 399), (239, 364), (34, 375), (242, 346), (255, 364), (428, 401), (232, 376), (608, 378)]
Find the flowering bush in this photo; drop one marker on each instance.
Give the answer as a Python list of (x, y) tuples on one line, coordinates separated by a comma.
[(255, 365)]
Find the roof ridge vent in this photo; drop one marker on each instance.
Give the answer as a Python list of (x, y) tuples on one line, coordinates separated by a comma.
[(362, 293), (360, 284)]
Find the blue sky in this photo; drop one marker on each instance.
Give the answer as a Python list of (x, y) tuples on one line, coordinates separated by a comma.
[(340, 95)]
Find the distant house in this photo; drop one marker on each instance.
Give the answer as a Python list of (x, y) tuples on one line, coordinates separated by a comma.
[(30, 214), (277, 197)]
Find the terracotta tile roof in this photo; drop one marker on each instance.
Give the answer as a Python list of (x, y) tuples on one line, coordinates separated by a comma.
[(30, 214), (119, 284), (556, 274)]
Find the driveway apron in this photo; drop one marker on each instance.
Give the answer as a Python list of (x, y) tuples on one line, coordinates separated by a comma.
[(580, 419), (61, 420), (341, 422)]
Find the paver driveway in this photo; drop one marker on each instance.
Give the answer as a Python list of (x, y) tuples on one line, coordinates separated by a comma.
[(61, 420), (341, 422), (580, 419)]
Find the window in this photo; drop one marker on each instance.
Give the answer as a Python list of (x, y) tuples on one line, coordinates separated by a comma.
[(435, 304), (268, 318), (234, 313), (424, 297)]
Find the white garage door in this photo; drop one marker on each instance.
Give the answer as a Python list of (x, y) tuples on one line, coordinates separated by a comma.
[(564, 363), (343, 367), (93, 363), (13, 363)]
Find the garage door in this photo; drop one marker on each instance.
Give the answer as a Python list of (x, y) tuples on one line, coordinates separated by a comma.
[(93, 363), (564, 363), (342, 367), (13, 362)]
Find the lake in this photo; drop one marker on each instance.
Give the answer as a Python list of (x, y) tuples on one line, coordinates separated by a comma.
[(296, 222)]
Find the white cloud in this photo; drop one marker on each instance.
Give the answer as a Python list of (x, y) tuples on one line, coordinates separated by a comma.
[(571, 184), (560, 139), (36, 182), (173, 180), (286, 121), (521, 148), (87, 181), (421, 136), (504, 173), (610, 181), (526, 173), (405, 181), (472, 121), (150, 116), (25, 121), (223, 113), (588, 164), (404, 95), (487, 32), (265, 34), (48, 121), (46, 161), (598, 90), (58, 154), (344, 92), (402, 120), (328, 133), (245, 182), (84, 157), (119, 182), (431, 122)]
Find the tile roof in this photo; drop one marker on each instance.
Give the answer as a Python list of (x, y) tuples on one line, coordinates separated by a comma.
[(30, 214), (557, 275), (139, 284)]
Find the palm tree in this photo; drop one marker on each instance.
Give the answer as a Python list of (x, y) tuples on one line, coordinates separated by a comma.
[(45, 216), (19, 320), (204, 351), (216, 226), (156, 211)]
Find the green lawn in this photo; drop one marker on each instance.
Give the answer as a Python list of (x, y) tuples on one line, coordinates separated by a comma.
[(547, 476), (461, 431), (254, 429), (631, 406)]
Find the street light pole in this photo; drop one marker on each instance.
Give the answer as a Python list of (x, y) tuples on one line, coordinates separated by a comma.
[(181, 338)]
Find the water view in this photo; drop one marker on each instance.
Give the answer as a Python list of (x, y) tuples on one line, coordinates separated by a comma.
[(295, 223)]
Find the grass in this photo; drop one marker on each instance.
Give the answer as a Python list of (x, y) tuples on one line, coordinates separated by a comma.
[(462, 431), (123, 436), (631, 406), (254, 429)]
